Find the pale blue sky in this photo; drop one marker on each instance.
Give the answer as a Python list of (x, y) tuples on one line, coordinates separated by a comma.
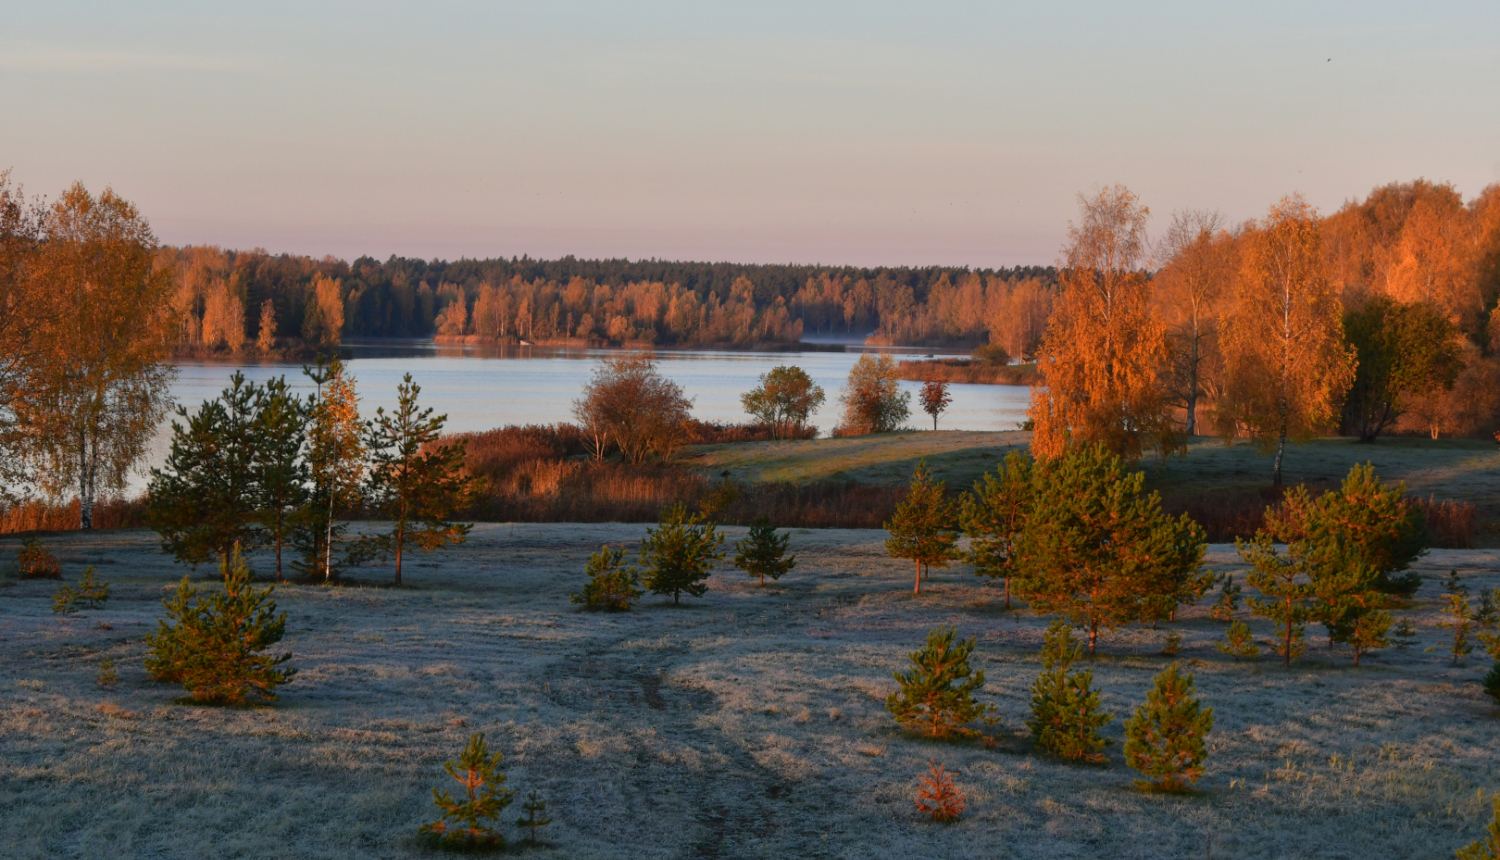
[(865, 133)]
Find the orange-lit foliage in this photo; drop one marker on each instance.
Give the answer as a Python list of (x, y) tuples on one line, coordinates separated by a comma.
[(42, 516), (1286, 366), (1190, 290), (1105, 348), (939, 797)]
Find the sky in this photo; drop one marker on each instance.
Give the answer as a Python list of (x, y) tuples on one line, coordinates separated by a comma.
[(862, 133)]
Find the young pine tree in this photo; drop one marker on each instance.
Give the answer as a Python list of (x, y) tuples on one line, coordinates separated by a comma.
[(91, 592), (1404, 634), (1228, 602), (1098, 551), (679, 554), (214, 649), (281, 472), (1065, 716), (922, 528), (994, 515), (1354, 609), (536, 815), (415, 483), (1487, 848), (938, 797), (1164, 740), (763, 553), (203, 500), (1460, 618), (1283, 593), (1491, 682), (466, 823), (1238, 642), (936, 697), (611, 586)]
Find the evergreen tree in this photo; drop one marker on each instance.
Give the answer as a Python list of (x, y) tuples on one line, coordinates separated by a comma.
[(91, 591), (679, 554), (203, 500), (1492, 682), (281, 472), (415, 482), (1363, 524), (336, 462), (922, 526), (763, 553), (1354, 609), (994, 515), (1228, 602), (1238, 642), (1460, 618), (1065, 716), (936, 697), (1487, 848), (610, 587), (1283, 593), (1404, 634), (939, 797), (214, 649), (536, 815), (465, 824), (1098, 551), (1164, 740)]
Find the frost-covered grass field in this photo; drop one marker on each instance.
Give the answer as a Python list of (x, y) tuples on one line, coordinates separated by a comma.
[(749, 723)]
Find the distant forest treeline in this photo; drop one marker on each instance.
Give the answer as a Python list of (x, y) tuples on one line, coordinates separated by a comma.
[(239, 301)]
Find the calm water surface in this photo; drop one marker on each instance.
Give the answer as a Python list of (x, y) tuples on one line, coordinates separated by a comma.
[(483, 388)]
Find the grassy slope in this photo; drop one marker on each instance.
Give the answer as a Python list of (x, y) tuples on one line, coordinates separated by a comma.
[(749, 724), (1449, 469)]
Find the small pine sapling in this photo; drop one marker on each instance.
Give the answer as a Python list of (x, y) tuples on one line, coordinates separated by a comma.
[(763, 553), (1164, 740), (1487, 848), (1065, 716), (939, 797), (1283, 592), (214, 649), (65, 600), (33, 561), (922, 526), (1238, 642), (936, 697), (536, 815), (1404, 634), (1172, 644), (1228, 602), (466, 823), (1460, 617), (1492, 682), (108, 676), (991, 719), (679, 554), (611, 586), (90, 592), (1487, 616)]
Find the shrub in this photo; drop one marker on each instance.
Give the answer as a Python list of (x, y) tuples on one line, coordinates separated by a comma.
[(214, 649), (936, 697), (465, 823), (1487, 848), (90, 591), (1065, 716), (1172, 644), (108, 675), (1164, 740), (763, 553), (536, 815), (1238, 642), (939, 797), (679, 553), (35, 562), (611, 587)]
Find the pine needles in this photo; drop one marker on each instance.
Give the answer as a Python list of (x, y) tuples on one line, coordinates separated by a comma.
[(939, 797), (936, 697), (466, 823)]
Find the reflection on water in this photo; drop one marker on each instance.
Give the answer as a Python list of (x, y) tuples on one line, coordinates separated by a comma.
[(483, 387)]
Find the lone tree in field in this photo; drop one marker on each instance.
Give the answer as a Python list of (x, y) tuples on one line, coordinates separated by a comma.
[(994, 515), (1286, 367), (468, 823), (336, 461), (612, 587), (936, 697), (1164, 740), (628, 403), (281, 472), (1065, 716), (214, 648), (415, 482), (763, 553), (935, 398), (872, 398), (679, 554), (1105, 348), (784, 400), (203, 500), (922, 528), (1097, 551)]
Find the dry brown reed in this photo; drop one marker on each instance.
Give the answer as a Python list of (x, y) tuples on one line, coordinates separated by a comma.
[(1452, 523), (44, 516), (967, 370)]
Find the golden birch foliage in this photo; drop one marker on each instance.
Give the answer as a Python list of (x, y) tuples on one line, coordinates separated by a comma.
[(265, 341), (337, 446), (223, 318), (1190, 289), (1286, 366), (1105, 348)]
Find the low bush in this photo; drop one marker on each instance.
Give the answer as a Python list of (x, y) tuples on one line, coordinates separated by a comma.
[(43, 516), (1451, 523), (34, 561)]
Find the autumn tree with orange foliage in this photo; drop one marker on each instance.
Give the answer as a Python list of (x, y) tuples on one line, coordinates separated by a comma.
[(1190, 289), (1286, 367), (1105, 348)]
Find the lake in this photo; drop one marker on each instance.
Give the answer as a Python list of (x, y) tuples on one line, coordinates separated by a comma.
[(484, 387)]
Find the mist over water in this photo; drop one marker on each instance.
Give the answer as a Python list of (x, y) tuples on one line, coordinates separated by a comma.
[(482, 388)]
